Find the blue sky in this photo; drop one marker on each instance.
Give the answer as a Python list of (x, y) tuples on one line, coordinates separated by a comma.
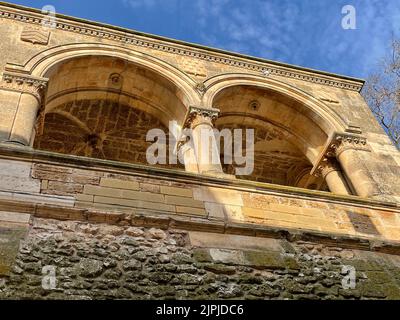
[(302, 32)]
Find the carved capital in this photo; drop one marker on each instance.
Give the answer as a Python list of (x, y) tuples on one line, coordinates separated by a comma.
[(339, 143), (197, 116), (24, 83), (343, 142), (326, 166)]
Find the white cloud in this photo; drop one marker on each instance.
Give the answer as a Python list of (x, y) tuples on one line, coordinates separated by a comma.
[(304, 32), (136, 4)]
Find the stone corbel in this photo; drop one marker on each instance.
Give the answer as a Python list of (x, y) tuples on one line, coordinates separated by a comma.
[(24, 83)]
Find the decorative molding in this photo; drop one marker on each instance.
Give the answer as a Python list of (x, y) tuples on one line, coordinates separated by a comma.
[(198, 115), (266, 73), (35, 36), (345, 141), (115, 80), (266, 68), (24, 83)]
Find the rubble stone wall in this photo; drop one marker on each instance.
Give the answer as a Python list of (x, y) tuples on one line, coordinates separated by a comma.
[(98, 261)]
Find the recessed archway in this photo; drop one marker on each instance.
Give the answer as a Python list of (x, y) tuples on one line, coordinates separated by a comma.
[(103, 107), (288, 141)]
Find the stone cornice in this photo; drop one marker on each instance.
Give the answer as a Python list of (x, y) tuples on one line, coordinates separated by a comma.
[(125, 36), (24, 83)]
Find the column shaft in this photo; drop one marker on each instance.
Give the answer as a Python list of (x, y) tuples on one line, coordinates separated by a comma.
[(21, 97), (358, 174), (331, 172), (25, 119), (337, 184), (206, 151), (189, 159)]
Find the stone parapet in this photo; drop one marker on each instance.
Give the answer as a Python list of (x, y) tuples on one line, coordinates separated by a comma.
[(174, 194)]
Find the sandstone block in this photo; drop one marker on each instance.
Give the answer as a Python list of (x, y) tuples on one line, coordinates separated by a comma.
[(84, 197), (185, 202), (119, 184), (102, 191), (180, 192), (218, 195), (189, 210), (15, 217), (134, 203)]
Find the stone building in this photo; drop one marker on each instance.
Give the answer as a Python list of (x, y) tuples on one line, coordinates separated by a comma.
[(84, 216)]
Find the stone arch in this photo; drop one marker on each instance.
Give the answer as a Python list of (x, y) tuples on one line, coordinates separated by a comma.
[(39, 64), (64, 102), (326, 121), (297, 125)]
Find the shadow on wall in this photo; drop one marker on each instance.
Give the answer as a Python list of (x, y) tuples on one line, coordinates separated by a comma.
[(362, 223), (5, 138)]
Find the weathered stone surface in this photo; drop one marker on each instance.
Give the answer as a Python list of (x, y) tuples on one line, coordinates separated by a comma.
[(90, 268), (142, 263), (10, 237)]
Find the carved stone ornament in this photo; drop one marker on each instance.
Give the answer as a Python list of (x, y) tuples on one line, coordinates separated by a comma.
[(199, 115), (35, 36), (201, 88), (343, 142), (339, 143), (24, 83)]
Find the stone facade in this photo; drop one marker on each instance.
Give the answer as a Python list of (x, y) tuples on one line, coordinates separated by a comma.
[(77, 195)]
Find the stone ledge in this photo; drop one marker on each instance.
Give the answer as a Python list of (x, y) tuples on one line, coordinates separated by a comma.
[(44, 157), (163, 221)]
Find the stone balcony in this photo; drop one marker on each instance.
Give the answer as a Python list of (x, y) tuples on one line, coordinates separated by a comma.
[(63, 187)]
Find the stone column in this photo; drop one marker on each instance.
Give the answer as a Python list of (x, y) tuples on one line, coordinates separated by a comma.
[(206, 151), (348, 149), (331, 172), (189, 157), (22, 97)]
